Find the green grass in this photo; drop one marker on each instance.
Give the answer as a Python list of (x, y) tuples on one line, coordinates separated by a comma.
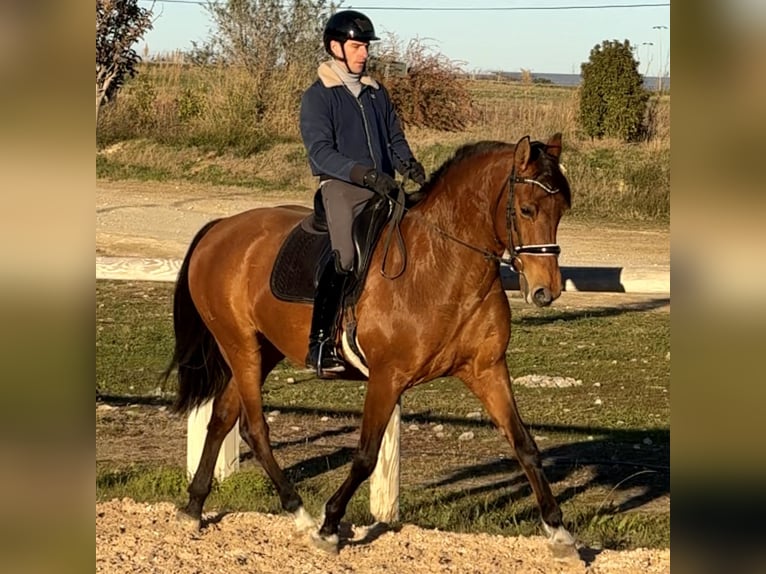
[(626, 183), (615, 446), (134, 337), (181, 169), (621, 357), (109, 169), (624, 353), (495, 512), (486, 91)]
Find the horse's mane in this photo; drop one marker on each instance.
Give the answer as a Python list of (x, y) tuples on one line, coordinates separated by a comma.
[(470, 150), (462, 153)]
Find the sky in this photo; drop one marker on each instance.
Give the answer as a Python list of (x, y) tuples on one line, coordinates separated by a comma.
[(499, 38)]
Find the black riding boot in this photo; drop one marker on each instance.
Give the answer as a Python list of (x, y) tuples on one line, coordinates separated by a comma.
[(323, 355)]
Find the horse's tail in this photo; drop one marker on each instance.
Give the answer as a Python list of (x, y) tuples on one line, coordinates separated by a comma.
[(202, 370)]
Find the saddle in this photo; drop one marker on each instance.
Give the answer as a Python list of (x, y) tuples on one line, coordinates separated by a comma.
[(296, 272)]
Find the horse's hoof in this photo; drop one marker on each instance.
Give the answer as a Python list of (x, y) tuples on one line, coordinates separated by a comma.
[(303, 521), (327, 544), (192, 523), (558, 536), (565, 553), (562, 544)]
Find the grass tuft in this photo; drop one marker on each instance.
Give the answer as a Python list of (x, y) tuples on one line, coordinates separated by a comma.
[(146, 484)]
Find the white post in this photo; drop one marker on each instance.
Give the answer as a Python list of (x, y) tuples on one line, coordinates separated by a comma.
[(384, 482), (196, 431)]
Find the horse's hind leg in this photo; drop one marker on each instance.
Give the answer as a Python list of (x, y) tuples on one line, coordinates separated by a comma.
[(225, 412), (492, 386), (379, 403), (255, 431)]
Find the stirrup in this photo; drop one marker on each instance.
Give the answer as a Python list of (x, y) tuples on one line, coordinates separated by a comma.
[(338, 366)]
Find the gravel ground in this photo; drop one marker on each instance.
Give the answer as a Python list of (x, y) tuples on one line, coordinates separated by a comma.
[(138, 537)]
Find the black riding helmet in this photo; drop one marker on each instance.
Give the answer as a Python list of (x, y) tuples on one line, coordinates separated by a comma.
[(348, 25)]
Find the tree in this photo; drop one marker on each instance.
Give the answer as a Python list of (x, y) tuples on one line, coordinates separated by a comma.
[(268, 37), (119, 25), (612, 95), (427, 90)]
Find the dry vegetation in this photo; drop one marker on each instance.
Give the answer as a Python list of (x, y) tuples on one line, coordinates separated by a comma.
[(214, 124), (431, 93)]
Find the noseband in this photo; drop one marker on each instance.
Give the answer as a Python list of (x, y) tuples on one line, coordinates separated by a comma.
[(540, 249)]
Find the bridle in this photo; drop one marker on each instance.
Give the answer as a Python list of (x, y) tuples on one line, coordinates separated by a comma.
[(540, 249)]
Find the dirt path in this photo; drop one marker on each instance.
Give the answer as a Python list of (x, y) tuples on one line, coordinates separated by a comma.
[(158, 220), (137, 219)]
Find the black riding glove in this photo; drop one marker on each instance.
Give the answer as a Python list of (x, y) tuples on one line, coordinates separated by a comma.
[(380, 182), (414, 170)]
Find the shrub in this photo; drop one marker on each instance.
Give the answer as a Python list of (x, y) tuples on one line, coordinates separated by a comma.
[(612, 96), (431, 94)]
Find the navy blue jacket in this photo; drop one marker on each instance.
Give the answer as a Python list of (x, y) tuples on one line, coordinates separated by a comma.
[(342, 132)]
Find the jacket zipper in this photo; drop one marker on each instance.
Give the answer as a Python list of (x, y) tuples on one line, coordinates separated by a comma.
[(366, 129)]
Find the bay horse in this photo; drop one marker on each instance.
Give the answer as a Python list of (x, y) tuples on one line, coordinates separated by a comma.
[(445, 314)]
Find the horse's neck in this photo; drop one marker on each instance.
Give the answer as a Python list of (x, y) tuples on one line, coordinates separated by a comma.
[(466, 210), (450, 236)]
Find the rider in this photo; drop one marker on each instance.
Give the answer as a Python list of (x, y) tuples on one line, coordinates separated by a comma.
[(354, 142)]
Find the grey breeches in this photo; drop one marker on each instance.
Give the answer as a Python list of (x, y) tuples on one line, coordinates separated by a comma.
[(343, 202)]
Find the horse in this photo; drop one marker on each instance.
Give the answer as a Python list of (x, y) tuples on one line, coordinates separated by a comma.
[(445, 313)]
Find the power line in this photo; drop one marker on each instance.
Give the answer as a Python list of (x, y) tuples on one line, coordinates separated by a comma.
[(506, 8), (454, 8)]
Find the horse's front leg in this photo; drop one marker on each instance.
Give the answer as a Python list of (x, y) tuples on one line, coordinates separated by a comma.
[(492, 385), (380, 400)]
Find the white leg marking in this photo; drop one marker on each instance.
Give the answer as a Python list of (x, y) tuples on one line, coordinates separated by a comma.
[(320, 520), (303, 520), (559, 536), (325, 543)]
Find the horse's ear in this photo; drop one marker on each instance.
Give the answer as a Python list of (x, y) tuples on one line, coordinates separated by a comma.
[(553, 147), (522, 153)]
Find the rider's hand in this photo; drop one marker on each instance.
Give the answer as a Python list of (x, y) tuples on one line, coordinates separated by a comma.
[(414, 170), (380, 182)]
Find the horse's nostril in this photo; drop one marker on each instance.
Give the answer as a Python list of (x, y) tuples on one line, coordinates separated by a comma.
[(542, 297)]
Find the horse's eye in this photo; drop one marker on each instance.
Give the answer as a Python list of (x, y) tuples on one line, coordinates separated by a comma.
[(528, 211)]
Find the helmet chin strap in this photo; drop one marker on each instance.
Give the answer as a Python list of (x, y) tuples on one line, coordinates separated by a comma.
[(344, 59)]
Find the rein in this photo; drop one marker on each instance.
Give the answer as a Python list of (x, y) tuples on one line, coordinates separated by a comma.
[(395, 226), (541, 249)]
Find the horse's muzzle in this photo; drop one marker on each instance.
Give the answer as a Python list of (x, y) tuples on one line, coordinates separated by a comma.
[(542, 297)]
